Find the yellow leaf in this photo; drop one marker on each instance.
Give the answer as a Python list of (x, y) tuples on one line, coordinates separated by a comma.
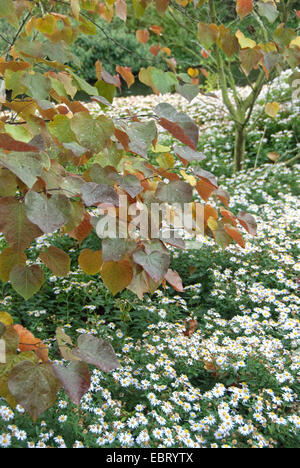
[(295, 42), (75, 5), (245, 42), (193, 72), (189, 178), (90, 262), (6, 318), (46, 25), (117, 275), (212, 224), (272, 109), (166, 160)]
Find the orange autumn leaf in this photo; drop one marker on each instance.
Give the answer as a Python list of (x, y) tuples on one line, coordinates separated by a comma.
[(244, 8), (235, 235), (126, 74), (156, 29), (142, 35), (154, 50), (205, 189), (28, 342), (209, 212), (83, 230), (228, 215)]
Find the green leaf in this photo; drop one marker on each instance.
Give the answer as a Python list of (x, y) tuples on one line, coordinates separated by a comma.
[(8, 11), (8, 183), (65, 345), (139, 8), (174, 192), (160, 81), (76, 216), (93, 134), (38, 86), (48, 213), (26, 280), (5, 369), (116, 249), (130, 183), (83, 85), (188, 91), (97, 352), (268, 10), (54, 51), (75, 379), (156, 264), (188, 154), (27, 166), (11, 338), (142, 133), (34, 387), (60, 128), (108, 91)]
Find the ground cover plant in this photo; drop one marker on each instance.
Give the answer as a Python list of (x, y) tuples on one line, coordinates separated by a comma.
[(113, 342)]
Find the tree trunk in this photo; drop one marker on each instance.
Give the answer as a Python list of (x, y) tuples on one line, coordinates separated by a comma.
[(239, 147)]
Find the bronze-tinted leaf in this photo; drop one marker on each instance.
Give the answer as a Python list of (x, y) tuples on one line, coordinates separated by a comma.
[(174, 279), (97, 352), (56, 260), (116, 275), (90, 262), (49, 214), (34, 386), (16, 227), (75, 379)]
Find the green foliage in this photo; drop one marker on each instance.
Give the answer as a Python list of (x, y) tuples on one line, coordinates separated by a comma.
[(89, 49)]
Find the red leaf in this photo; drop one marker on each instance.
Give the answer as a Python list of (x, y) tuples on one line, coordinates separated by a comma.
[(83, 230), (162, 5), (8, 143), (154, 50), (174, 279)]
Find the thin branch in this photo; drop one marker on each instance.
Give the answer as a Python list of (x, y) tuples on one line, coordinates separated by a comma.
[(17, 34)]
